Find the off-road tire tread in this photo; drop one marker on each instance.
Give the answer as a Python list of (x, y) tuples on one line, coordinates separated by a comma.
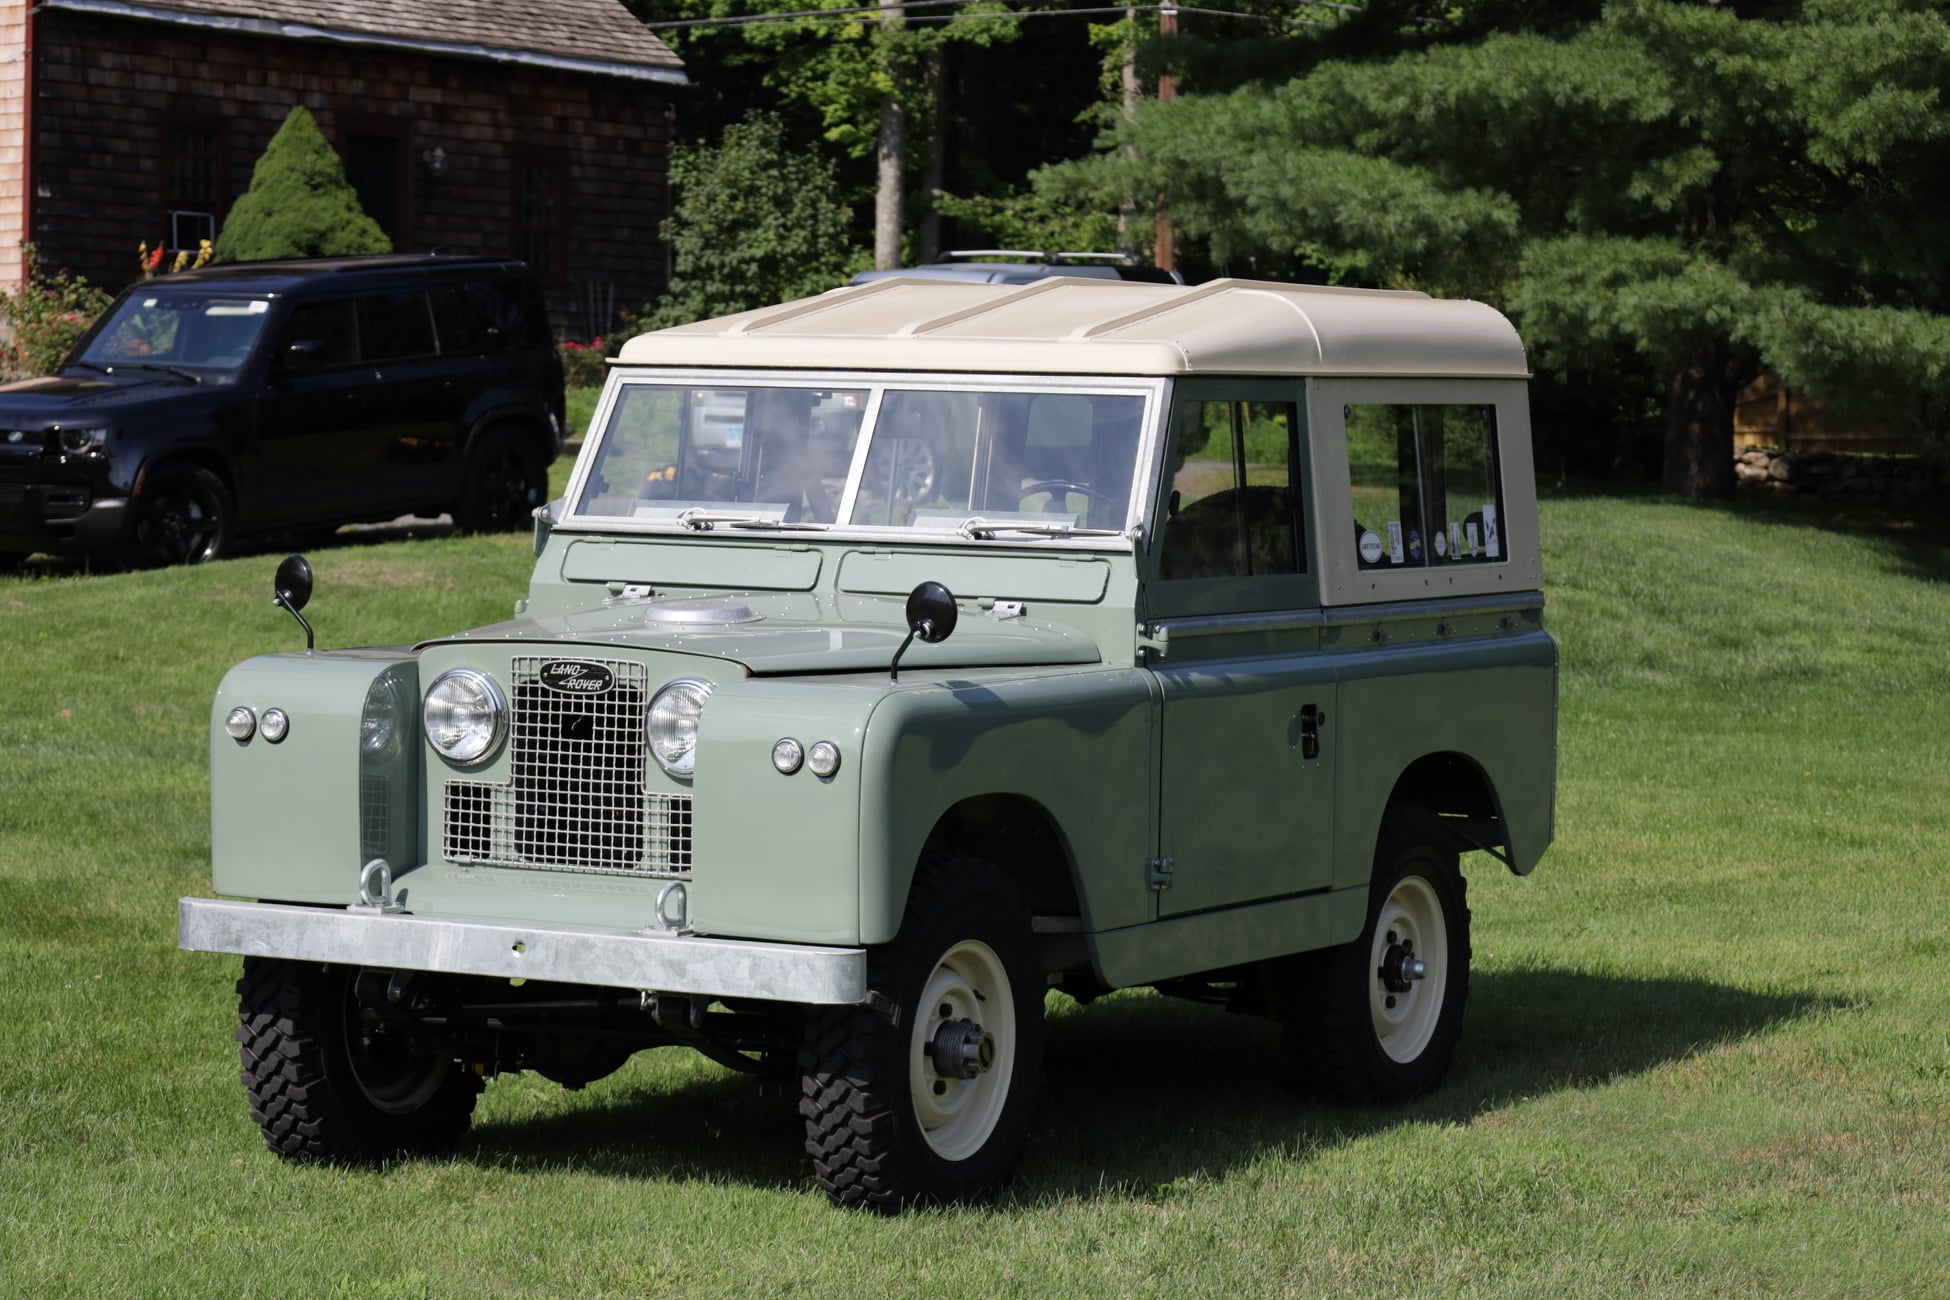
[(846, 1098), (283, 1009), (1327, 1040)]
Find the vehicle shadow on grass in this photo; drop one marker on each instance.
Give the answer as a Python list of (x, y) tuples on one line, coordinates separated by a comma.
[(1143, 1092)]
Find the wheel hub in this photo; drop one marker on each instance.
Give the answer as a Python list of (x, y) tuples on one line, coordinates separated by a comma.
[(1400, 968), (962, 1049)]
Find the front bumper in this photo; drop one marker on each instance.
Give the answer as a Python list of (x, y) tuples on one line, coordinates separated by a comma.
[(658, 960)]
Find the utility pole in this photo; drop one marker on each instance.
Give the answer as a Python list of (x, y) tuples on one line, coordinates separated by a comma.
[(1166, 256)]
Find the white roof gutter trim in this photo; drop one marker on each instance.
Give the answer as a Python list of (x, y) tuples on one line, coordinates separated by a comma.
[(371, 40)]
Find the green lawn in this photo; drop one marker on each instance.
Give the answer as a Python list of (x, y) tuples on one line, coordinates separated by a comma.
[(1707, 1054)]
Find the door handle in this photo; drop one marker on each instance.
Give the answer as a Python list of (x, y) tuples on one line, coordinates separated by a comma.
[(1312, 719)]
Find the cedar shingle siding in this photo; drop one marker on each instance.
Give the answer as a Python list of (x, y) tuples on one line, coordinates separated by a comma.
[(552, 121)]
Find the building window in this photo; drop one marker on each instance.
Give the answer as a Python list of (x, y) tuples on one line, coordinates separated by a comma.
[(194, 181), (541, 217)]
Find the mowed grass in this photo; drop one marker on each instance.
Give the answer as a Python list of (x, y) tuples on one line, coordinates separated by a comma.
[(1707, 1051)]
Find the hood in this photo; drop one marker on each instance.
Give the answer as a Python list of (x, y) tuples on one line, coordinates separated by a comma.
[(86, 389), (772, 633)]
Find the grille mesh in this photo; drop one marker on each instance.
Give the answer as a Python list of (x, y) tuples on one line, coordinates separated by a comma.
[(576, 799)]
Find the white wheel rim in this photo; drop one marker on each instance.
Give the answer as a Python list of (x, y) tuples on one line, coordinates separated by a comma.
[(1405, 1020), (958, 1115)]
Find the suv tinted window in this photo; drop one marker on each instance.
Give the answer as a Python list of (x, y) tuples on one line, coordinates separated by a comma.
[(511, 313), (396, 326), (326, 334)]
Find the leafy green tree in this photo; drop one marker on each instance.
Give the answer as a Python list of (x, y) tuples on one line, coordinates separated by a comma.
[(41, 319), (1718, 189), (299, 203), (756, 221)]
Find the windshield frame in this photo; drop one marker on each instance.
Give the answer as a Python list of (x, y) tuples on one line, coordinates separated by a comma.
[(1152, 391)]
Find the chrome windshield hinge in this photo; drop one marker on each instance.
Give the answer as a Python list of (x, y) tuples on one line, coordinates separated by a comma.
[(1158, 873)]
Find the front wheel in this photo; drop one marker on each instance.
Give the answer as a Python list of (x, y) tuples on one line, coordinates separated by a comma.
[(329, 1083), (1378, 1019), (183, 516), (926, 1097)]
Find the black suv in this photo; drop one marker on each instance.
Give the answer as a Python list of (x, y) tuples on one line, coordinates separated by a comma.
[(286, 397)]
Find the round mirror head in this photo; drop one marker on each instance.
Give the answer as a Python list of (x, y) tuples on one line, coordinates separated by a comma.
[(931, 612), (294, 582)]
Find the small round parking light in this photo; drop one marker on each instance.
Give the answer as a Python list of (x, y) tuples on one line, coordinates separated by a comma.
[(241, 725), (276, 725), (787, 755), (823, 758)]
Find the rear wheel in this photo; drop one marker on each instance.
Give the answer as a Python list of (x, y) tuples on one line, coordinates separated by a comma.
[(329, 1083), (505, 480), (1378, 1019), (183, 516), (928, 1099)]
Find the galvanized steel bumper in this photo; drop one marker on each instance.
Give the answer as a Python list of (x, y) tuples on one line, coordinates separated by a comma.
[(658, 960)]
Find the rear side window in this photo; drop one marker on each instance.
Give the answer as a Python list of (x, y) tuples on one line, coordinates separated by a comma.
[(455, 328), (511, 312), (1425, 484), (397, 326)]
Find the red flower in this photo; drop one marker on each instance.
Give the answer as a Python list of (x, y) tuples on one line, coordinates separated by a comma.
[(155, 258)]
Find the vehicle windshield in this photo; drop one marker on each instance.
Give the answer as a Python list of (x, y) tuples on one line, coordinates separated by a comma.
[(196, 331), (978, 463)]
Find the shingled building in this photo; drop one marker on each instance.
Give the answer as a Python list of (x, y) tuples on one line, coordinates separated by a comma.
[(538, 128)]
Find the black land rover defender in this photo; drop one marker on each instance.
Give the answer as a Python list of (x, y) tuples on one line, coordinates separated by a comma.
[(285, 397)]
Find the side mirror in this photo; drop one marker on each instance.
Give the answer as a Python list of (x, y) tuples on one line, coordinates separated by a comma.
[(292, 591), (931, 615)]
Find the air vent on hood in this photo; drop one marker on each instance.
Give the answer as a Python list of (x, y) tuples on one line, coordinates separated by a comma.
[(705, 611)]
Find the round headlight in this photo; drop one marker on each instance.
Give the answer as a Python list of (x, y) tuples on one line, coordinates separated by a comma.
[(464, 715), (673, 724), (241, 724), (823, 758), (80, 442), (276, 725)]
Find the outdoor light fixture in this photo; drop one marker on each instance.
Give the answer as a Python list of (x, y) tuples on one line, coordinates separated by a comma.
[(436, 161)]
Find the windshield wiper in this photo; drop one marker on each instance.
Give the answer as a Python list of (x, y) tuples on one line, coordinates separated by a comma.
[(702, 520), (149, 365), (978, 527), (93, 365)]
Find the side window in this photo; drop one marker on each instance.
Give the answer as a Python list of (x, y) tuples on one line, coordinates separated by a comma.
[(1232, 509), (321, 335), (1425, 485), (454, 327), (397, 326)]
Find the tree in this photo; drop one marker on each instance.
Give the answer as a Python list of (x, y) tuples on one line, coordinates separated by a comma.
[(1720, 189), (299, 203), (756, 221)]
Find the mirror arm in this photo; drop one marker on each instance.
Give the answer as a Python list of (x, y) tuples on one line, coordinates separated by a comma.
[(283, 600)]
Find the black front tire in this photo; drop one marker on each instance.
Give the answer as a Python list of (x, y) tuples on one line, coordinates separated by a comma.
[(326, 1087), (505, 480), (891, 1121), (185, 515), (1355, 1028)]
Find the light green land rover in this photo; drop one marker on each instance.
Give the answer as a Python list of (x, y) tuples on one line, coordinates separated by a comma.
[(894, 657)]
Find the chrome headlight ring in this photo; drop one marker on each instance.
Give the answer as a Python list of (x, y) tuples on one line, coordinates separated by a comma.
[(465, 716)]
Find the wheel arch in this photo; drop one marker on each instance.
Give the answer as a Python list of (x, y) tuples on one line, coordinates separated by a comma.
[(1450, 794), (1022, 838)]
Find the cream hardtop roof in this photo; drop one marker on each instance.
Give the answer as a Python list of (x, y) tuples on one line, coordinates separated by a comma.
[(1069, 325)]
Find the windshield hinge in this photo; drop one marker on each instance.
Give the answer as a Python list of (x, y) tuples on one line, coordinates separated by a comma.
[(1158, 873)]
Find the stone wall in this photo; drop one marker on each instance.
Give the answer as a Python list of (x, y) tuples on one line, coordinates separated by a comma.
[(1897, 480)]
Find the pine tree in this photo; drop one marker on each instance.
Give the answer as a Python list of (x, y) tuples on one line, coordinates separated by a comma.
[(299, 203)]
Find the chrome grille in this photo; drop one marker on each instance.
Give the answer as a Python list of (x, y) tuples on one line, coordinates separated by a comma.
[(576, 799)]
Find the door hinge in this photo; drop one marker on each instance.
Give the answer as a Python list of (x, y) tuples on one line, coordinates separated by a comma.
[(1158, 873)]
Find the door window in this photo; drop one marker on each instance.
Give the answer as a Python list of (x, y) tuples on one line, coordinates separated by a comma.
[(397, 326), (321, 335), (1232, 506)]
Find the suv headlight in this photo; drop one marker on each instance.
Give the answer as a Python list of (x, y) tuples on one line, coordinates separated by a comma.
[(81, 442), (465, 715), (673, 724)]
